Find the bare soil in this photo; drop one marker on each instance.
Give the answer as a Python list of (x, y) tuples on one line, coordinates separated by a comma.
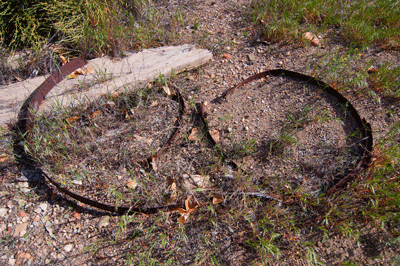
[(275, 135)]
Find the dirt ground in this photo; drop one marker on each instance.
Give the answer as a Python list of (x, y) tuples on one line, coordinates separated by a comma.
[(274, 134)]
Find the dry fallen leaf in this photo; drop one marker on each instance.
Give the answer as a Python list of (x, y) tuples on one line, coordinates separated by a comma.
[(128, 114), (132, 184), (171, 186), (26, 256), (63, 59), (132, 111), (193, 135), (226, 56), (21, 214), (94, 114), (58, 50), (154, 163), (77, 215), (218, 198), (72, 76), (110, 104), (191, 205), (372, 69), (71, 120), (315, 42), (215, 135), (81, 71), (77, 211), (311, 37), (170, 92), (142, 139), (115, 94), (3, 157), (194, 181)]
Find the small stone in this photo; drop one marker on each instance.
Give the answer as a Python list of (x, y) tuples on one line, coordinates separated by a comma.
[(132, 184), (22, 214), (23, 184), (372, 69), (3, 212), (3, 228), (68, 247), (77, 182), (194, 135), (50, 231), (45, 219), (110, 104), (114, 94), (26, 256), (229, 129), (215, 135), (251, 57), (20, 229), (43, 206), (311, 37), (226, 56), (11, 261), (103, 222), (315, 42)]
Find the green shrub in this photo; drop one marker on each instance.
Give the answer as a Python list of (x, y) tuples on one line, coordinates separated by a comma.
[(29, 23), (93, 27)]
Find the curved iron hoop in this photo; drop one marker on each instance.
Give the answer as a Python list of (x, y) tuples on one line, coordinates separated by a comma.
[(25, 122), (341, 180)]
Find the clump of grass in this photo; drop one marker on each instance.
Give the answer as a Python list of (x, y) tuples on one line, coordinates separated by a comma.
[(374, 198), (25, 23), (33, 34), (386, 80), (93, 27), (345, 69), (382, 183), (360, 23), (112, 27)]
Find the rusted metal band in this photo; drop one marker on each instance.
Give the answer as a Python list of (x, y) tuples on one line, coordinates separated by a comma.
[(25, 121), (36, 98), (341, 180)]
